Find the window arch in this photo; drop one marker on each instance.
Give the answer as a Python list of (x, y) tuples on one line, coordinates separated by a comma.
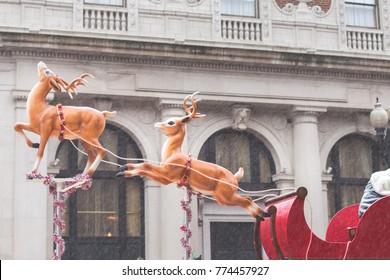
[(107, 221), (353, 159), (232, 149)]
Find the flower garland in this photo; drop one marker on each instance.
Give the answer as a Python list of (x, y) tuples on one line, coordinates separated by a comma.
[(59, 207), (186, 206)]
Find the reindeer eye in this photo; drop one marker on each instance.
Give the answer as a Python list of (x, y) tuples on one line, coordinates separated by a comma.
[(171, 123)]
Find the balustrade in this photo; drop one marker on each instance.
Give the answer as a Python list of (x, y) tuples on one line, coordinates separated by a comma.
[(365, 40), (232, 29), (100, 19)]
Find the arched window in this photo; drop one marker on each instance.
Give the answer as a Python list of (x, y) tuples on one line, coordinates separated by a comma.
[(232, 149), (106, 221), (353, 159)]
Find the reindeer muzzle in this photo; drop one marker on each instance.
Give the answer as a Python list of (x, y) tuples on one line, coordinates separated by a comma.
[(55, 85)]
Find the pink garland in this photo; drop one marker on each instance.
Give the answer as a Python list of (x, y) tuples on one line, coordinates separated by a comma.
[(79, 177), (59, 202), (186, 206), (58, 240)]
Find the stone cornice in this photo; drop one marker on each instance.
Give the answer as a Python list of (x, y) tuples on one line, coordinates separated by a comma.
[(190, 56), (21, 95)]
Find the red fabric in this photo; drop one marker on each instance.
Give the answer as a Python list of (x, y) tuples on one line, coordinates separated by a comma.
[(295, 238), (62, 122)]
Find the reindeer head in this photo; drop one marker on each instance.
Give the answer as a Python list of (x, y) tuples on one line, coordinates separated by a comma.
[(55, 82), (173, 125)]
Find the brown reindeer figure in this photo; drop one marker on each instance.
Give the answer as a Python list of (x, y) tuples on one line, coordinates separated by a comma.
[(203, 177), (49, 121)]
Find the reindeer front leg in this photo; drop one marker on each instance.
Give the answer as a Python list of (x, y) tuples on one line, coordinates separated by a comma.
[(19, 127), (154, 172), (44, 137)]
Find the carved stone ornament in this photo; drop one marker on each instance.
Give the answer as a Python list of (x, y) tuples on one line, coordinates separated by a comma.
[(316, 7), (240, 118), (188, 2), (193, 2)]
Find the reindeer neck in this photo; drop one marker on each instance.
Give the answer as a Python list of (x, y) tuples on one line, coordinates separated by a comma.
[(173, 144), (36, 100)]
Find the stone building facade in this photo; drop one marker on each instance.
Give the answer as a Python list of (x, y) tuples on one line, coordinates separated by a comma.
[(307, 74)]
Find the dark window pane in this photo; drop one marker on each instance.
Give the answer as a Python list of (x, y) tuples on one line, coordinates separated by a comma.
[(232, 152), (355, 158), (232, 241), (133, 208), (97, 210)]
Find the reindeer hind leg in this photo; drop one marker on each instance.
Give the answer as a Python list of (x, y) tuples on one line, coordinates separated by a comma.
[(246, 203), (100, 151), (90, 152)]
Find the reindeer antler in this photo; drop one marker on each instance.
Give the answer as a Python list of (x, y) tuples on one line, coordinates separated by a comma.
[(192, 111), (72, 86)]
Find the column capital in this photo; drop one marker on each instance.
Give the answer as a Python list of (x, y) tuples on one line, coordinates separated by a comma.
[(307, 110), (283, 178), (301, 114), (170, 104), (170, 108)]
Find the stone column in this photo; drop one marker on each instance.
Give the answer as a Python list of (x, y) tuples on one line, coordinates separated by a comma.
[(326, 179), (30, 198), (307, 167), (171, 213), (152, 220)]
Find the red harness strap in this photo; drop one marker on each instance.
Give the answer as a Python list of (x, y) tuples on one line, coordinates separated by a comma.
[(62, 122), (184, 179)]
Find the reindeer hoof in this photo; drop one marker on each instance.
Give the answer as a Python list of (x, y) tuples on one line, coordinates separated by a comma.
[(120, 175), (123, 168), (259, 219), (35, 145), (266, 215)]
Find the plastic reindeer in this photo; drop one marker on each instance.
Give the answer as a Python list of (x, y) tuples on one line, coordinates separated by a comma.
[(203, 177), (49, 121)]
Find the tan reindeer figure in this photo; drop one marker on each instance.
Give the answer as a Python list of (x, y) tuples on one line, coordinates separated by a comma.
[(203, 177), (49, 121)]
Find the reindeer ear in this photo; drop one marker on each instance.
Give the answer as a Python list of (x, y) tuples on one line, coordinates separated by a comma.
[(185, 119)]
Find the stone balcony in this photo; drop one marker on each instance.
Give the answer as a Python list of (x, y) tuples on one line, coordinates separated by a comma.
[(296, 28)]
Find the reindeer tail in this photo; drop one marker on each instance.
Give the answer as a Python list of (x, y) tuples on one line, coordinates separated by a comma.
[(239, 174), (109, 114)]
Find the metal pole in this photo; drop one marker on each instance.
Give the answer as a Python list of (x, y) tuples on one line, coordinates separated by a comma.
[(58, 212)]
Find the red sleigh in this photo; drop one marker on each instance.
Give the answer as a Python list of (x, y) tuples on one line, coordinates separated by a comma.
[(286, 235)]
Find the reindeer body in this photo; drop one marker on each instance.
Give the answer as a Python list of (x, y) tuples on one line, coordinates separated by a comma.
[(204, 177), (44, 120)]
